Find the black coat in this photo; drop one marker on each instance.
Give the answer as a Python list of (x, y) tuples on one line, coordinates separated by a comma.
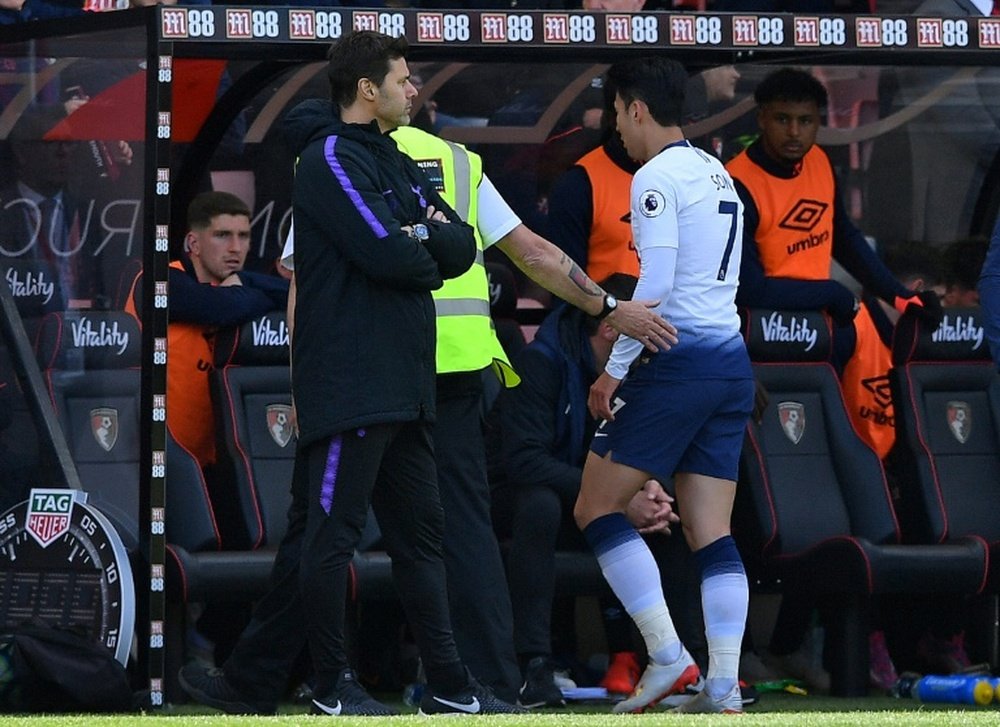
[(364, 338), (545, 424)]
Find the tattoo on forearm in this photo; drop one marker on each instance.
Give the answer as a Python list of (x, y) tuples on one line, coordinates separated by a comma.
[(583, 282)]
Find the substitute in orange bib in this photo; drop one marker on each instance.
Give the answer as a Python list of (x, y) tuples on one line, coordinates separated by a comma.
[(208, 290), (865, 381), (589, 211), (795, 222)]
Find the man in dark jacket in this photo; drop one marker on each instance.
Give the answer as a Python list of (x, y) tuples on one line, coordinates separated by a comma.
[(373, 239)]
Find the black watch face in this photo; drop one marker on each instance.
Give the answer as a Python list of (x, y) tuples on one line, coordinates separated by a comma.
[(63, 562)]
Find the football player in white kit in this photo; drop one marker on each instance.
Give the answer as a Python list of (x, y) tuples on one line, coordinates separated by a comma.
[(682, 412)]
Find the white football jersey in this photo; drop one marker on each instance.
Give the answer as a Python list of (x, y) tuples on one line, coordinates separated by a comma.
[(685, 199)]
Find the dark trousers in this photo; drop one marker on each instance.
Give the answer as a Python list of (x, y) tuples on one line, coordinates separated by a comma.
[(392, 468), (537, 522), (407, 506), (262, 658), (477, 587), (482, 620)]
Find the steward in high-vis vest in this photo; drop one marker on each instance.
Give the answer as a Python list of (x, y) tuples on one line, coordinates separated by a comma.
[(467, 346), (466, 340)]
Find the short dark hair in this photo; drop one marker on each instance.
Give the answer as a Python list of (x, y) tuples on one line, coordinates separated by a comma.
[(208, 205), (621, 286), (963, 262), (790, 84), (913, 259), (656, 81), (361, 54)]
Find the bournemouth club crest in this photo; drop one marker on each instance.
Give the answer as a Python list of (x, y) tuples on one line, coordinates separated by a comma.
[(104, 426), (279, 423), (792, 416), (960, 420)]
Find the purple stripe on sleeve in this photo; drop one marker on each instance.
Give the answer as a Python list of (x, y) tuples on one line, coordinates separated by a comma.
[(352, 193), (330, 474)]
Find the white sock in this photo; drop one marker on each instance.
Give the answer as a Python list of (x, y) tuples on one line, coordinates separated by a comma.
[(630, 570), (724, 599)]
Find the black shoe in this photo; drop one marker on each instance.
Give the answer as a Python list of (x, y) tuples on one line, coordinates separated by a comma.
[(539, 688), (208, 685), (474, 699), (350, 698)]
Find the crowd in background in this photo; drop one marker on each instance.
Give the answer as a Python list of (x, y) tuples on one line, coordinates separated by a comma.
[(956, 264)]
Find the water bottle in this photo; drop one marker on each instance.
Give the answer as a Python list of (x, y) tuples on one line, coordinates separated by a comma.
[(955, 689), (413, 692), (903, 688)]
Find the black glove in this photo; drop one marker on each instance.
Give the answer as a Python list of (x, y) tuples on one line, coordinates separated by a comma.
[(925, 305), (843, 306)]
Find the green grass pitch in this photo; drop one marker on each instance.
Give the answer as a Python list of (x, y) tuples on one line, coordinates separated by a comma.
[(773, 710)]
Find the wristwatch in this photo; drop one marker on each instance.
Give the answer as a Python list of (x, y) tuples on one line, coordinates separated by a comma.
[(610, 305), (419, 232)]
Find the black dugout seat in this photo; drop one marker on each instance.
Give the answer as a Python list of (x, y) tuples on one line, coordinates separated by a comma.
[(91, 365), (814, 513), (947, 400), (251, 391), (946, 394), (34, 290)]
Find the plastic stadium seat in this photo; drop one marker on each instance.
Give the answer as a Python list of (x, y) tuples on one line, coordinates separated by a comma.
[(814, 512), (946, 394), (34, 290), (251, 388), (947, 399), (91, 365), (251, 393)]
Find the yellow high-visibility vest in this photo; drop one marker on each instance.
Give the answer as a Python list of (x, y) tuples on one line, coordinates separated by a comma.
[(466, 338)]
